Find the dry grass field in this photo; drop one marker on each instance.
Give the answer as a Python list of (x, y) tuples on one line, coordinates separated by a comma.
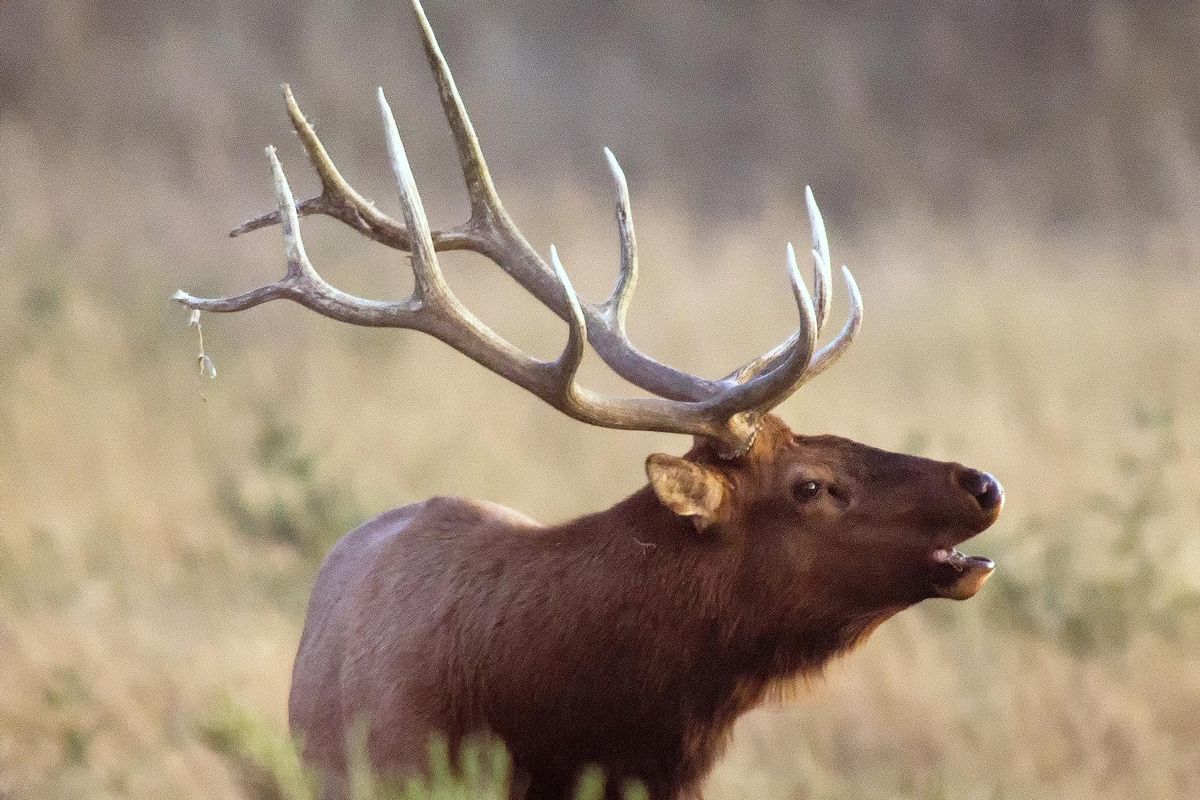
[(159, 531)]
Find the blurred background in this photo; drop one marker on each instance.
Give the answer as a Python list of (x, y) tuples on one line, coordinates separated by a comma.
[(1015, 185)]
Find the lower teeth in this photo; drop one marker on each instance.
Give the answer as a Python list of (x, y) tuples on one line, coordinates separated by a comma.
[(952, 557)]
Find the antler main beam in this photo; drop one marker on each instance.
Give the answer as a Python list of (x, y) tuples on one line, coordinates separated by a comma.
[(727, 411)]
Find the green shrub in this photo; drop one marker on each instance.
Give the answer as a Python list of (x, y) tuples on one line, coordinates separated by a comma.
[(1067, 596), (270, 767), (305, 509)]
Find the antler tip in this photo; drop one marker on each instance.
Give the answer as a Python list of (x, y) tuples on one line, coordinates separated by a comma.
[(572, 355), (190, 301), (272, 156), (803, 298), (618, 174), (560, 272), (277, 169), (814, 210), (794, 267), (293, 110), (851, 285), (395, 145)]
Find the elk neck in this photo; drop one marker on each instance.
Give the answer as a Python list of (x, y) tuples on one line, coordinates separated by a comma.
[(716, 611)]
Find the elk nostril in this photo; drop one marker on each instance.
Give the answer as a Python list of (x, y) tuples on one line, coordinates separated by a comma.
[(983, 487)]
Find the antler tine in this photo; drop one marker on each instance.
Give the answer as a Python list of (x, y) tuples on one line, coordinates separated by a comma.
[(615, 308), (338, 199), (572, 355), (822, 281), (302, 283), (822, 277), (271, 291), (484, 200), (822, 360), (336, 194), (832, 351), (430, 284), (767, 389)]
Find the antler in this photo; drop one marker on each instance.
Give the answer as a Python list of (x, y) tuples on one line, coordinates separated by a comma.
[(727, 411)]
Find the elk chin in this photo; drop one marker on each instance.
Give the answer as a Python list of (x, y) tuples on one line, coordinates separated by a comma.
[(958, 576)]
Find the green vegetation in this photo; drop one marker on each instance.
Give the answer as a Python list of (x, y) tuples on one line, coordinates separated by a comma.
[(302, 508), (1126, 583), (271, 769)]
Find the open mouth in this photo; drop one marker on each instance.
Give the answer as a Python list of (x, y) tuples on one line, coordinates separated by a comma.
[(958, 576)]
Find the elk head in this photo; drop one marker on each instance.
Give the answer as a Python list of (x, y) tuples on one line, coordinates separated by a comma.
[(855, 531)]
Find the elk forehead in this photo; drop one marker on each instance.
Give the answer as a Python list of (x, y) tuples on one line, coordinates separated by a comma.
[(860, 463), (777, 449)]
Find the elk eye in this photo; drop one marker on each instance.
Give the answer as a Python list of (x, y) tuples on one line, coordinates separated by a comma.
[(806, 490)]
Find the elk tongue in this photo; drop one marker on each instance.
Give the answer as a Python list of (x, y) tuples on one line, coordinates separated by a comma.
[(960, 576)]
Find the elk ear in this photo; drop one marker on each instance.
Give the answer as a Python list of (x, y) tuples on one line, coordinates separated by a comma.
[(687, 488)]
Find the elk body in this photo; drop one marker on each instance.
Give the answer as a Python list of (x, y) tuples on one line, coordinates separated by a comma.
[(632, 638)]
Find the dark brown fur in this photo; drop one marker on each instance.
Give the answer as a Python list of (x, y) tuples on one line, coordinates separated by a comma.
[(628, 638)]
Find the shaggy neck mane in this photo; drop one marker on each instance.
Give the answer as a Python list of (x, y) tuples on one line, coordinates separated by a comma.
[(646, 571), (701, 582)]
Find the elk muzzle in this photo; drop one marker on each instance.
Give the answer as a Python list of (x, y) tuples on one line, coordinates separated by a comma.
[(958, 576)]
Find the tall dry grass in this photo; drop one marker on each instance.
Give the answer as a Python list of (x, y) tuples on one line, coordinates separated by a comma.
[(158, 532)]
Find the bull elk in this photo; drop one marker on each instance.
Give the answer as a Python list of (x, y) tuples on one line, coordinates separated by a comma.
[(631, 638)]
